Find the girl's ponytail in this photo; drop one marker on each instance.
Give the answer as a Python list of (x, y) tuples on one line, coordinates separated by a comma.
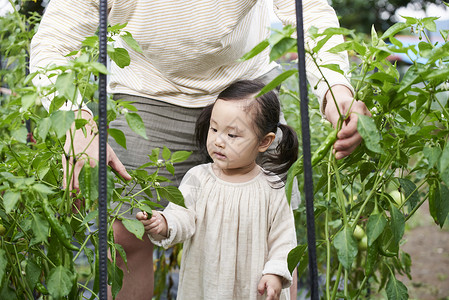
[(285, 154)]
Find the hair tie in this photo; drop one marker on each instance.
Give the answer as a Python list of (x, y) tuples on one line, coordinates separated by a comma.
[(278, 124)]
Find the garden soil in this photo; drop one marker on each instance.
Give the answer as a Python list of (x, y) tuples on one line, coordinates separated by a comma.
[(428, 246)]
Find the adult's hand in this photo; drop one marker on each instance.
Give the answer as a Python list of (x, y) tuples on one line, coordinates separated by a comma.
[(348, 137), (85, 149)]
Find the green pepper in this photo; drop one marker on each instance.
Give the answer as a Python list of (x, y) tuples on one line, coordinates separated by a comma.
[(386, 252), (371, 259), (56, 227), (321, 152), (41, 288)]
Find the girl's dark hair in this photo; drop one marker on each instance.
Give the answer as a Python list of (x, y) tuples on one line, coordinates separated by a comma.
[(265, 111)]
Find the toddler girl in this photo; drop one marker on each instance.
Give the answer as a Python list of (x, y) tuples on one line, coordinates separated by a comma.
[(237, 228)]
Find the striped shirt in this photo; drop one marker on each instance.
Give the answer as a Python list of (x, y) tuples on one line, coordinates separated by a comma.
[(190, 47)]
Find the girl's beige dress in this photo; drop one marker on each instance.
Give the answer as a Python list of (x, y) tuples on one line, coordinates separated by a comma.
[(233, 233)]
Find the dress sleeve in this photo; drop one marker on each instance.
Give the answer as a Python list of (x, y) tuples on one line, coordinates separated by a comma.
[(64, 26), (320, 14), (181, 221), (281, 239)]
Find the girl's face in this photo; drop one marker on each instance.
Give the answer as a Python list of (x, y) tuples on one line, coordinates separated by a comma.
[(231, 141)]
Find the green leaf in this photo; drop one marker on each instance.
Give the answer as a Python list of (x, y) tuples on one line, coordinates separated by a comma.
[(442, 206), (28, 100), (294, 256), (20, 134), (43, 188), (10, 200), (40, 228), (118, 136), (256, 50), (394, 29), (342, 47), (382, 77), (410, 192), (61, 121), (180, 156), (172, 194), (396, 290), (117, 27), (7, 293), (136, 124), (409, 78), (397, 223), (121, 252), (170, 168), (99, 67), (3, 264), (166, 153), (277, 81), (410, 20), (65, 85), (444, 159), (33, 272), (432, 154), (129, 39), (43, 127), (375, 227), (90, 41), (429, 23), (282, 47), (115, 278), (135, 227), (59, 282), (90, 217), (374, 37), (368, 130), (346, 246), (120, 56), (333, 67), (80, 123)]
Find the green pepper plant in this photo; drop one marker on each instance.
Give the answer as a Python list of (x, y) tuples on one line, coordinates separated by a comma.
[(49, 244), (405, 149)]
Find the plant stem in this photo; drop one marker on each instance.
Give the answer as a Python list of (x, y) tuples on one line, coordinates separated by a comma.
[(337, 281), (326, 233), (365, 279), (340, 195), (16, 158), (19, 19)]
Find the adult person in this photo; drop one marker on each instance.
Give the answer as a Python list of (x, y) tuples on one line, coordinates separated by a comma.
[(190, 54)]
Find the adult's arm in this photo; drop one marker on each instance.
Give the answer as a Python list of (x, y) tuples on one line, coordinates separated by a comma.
[(64, 26)]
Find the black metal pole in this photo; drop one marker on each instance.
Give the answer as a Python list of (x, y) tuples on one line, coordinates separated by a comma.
[(102, 164), (308, 180)]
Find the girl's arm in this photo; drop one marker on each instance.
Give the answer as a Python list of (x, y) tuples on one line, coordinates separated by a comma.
[(172, 226), (281, 240)]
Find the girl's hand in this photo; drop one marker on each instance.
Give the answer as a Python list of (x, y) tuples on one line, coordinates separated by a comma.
[(272, 284), (156, 225)]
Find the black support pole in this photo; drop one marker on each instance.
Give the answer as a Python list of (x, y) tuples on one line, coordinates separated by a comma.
[(308, 180), (102, 181)]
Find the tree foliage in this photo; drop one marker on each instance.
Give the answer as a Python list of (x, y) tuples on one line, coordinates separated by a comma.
[(362, 14)]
